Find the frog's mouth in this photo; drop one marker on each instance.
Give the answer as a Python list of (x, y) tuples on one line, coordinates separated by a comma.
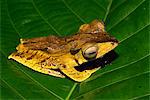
[(99, 62)]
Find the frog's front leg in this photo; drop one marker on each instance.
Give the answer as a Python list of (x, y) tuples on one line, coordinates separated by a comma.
[(69, 69), (76, 75)]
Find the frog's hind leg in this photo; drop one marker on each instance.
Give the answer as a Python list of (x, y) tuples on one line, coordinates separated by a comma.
[(36, 60)]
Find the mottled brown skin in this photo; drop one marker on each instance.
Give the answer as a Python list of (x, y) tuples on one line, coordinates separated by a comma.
[(52, 44), (65, 53)]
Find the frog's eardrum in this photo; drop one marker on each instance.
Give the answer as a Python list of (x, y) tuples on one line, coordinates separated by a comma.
[(62, 57)]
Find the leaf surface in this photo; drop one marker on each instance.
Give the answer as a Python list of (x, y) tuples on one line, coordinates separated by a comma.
[(126, 78)]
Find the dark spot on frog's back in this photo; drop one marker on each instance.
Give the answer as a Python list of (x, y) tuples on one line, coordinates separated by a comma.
[(112, 43), (64, 66), (32, 55), (99, 62), (74, 51)]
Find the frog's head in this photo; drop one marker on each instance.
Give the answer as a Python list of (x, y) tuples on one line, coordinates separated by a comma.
[(90, 43), (91, 51)]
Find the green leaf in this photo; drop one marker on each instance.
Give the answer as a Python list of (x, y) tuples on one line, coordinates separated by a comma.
[(126, 78)]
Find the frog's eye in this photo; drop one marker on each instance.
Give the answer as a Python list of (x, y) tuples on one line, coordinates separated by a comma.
[(90, 52)]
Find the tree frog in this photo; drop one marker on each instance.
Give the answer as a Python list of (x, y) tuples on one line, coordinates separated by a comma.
[(61, 56)]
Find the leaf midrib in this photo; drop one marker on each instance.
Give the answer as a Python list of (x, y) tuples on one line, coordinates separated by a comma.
[(71, 91)]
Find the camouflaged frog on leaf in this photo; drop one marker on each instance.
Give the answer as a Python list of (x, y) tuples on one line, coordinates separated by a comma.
[(59, 57)]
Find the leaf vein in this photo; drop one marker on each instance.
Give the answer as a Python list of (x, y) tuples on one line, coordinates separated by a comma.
[(118, 5), (71, 91), (99, 5), (46, 21), (125, 65), (138, 97), (50, 91), (137, 75), (126, 15), (82, 20), (134, 33), (11, 21), (108, 9), (13, 89)]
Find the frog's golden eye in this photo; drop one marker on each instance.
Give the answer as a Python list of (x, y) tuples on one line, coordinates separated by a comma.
[(90, 52)]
